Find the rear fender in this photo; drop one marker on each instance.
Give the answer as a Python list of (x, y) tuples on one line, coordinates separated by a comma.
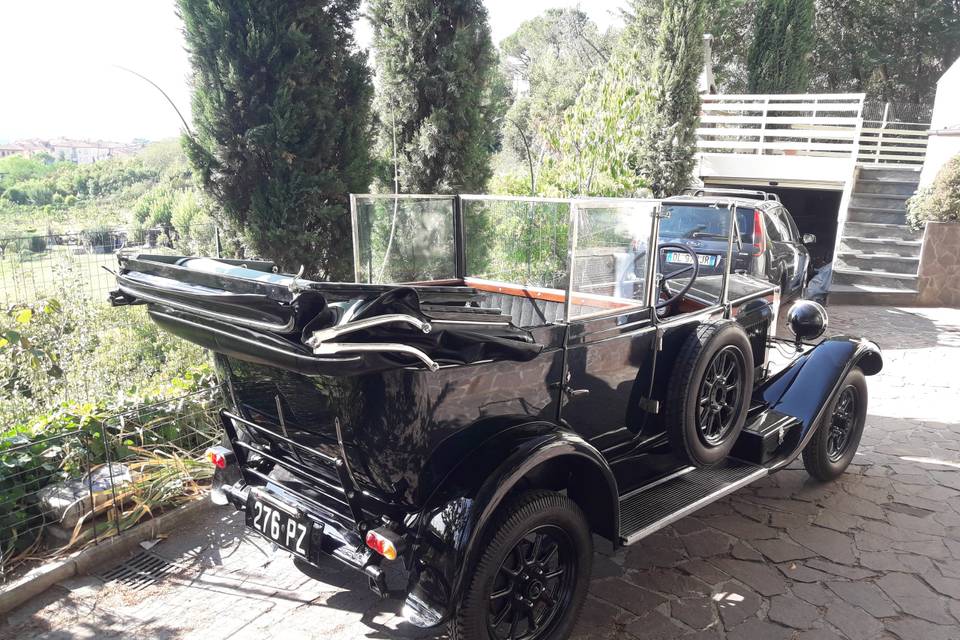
[(453, 524), (806, 388)]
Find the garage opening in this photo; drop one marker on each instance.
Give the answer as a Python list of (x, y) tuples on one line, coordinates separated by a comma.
[(815, 211)]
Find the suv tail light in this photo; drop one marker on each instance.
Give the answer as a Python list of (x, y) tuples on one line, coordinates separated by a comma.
[(759, 239)]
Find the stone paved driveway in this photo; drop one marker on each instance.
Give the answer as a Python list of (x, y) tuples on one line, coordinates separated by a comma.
[(875, 555)]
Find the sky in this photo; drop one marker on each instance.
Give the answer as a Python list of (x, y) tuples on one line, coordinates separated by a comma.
[(61, 64)]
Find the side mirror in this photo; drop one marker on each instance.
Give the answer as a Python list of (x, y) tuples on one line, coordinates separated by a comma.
[(807, 320), (809, 238)]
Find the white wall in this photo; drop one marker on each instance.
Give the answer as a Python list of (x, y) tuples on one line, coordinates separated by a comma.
[(945, 125)]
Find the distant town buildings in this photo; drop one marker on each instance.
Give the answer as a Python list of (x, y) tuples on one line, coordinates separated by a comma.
[(79, 151)]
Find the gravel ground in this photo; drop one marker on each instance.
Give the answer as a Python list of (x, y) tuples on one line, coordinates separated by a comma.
[(874, 555)]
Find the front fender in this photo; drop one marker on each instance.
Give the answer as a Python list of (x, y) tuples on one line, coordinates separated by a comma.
[(806, 387), (453, 524)]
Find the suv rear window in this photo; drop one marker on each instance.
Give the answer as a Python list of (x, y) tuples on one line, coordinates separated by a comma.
[(710, 221)]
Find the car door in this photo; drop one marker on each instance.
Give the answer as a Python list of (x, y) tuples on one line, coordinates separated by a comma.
[(608, 377)]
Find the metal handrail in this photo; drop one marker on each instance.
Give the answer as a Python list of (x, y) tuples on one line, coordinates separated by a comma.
[(322, 335), (335, 348)]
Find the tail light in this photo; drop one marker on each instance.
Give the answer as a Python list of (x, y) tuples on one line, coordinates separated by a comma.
[(759, 239), (384, 542), (219, 457)]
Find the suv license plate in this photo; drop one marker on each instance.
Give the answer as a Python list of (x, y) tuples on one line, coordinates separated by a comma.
[(684, 258), (280, 524)]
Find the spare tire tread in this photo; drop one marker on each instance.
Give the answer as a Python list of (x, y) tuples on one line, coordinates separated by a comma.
[(684, 381)]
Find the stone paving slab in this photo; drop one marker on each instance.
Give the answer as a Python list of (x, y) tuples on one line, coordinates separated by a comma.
[(874, 555)]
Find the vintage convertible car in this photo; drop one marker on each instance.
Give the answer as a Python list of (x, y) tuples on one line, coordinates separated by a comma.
[(505, 378)]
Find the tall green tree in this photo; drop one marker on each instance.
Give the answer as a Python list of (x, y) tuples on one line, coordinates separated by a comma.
[(781, 54), (281, 111), (894, 50), (439, 93), (665, 154), (548, 59)]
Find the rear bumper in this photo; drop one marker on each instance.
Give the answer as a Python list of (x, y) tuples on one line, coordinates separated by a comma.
[(329, 538)]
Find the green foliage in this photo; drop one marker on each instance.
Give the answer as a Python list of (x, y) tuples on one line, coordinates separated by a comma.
[(196, 231), (552, 56), (940, 201), (281, 107), (893, 50), (664, 155), (439, 93), (780, 56)]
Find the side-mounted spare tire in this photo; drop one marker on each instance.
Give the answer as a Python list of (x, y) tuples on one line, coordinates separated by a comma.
[(709, 392)]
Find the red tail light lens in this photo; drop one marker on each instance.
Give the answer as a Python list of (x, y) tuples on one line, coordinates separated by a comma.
[(217, 457), (759, 240), (382, 545)]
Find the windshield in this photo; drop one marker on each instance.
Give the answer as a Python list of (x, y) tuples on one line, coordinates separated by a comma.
[(704, 222)]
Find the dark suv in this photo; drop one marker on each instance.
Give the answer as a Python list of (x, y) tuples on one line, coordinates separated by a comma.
[(770, 246)]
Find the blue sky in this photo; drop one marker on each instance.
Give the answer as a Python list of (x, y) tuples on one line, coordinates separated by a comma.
[(60, 58)]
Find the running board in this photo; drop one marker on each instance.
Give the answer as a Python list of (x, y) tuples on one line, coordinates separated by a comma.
[(653, 507)]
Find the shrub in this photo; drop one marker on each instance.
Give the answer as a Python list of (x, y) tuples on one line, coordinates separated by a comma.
[(99, 237), (940, 201), (16, 195), (37, 244)]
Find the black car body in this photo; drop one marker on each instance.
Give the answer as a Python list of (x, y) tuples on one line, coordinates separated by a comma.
[(370, 421), (770, 246)]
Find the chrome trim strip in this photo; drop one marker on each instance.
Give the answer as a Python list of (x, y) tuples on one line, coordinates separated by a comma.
[(322, 335), (472, 322), (667, 478), (694, 506), (334, 348), (213, 315), (401, 196), (495, 198)]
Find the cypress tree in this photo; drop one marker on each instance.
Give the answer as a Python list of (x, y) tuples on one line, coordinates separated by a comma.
[(672, 104), (281, 110), (439, 93), (780, 55)]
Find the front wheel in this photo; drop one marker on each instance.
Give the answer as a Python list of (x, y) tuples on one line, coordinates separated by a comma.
[(831, 449), (532, 578)]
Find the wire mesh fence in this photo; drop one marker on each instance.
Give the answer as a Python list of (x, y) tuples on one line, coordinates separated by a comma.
[(38, 265), (97, 429), (78, 487)]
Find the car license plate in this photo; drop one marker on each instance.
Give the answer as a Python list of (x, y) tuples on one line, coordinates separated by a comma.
[(280, 524), (679, 257)]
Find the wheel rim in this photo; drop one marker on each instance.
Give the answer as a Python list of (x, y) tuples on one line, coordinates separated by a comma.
[(842, 423), (533, 585), (720, 396)]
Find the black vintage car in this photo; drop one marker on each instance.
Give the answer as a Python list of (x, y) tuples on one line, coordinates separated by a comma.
[(505, 378)]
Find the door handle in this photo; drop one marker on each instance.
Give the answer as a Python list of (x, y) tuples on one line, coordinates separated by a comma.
[(576, 393)]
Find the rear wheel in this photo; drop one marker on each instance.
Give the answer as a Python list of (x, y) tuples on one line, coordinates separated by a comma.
[(531, 580), (831, 449), (709, 392)]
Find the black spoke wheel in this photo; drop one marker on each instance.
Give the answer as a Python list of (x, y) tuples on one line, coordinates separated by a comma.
[(842, 423), (709, 391), (834, 443), (720, 397), (531, 578), (532, 585)]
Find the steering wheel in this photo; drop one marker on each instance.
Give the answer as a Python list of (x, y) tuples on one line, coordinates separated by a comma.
[(693, 266)]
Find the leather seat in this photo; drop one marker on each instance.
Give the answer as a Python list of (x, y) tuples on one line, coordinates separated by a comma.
[(525, 312)]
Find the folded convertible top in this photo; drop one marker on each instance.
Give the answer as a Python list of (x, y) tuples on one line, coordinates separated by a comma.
[(248, 311)]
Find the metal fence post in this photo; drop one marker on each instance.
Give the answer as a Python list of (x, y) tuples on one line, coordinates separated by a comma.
[(113, 487)]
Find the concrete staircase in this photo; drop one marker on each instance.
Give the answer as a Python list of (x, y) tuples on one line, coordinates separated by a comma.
[(879, 254)]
